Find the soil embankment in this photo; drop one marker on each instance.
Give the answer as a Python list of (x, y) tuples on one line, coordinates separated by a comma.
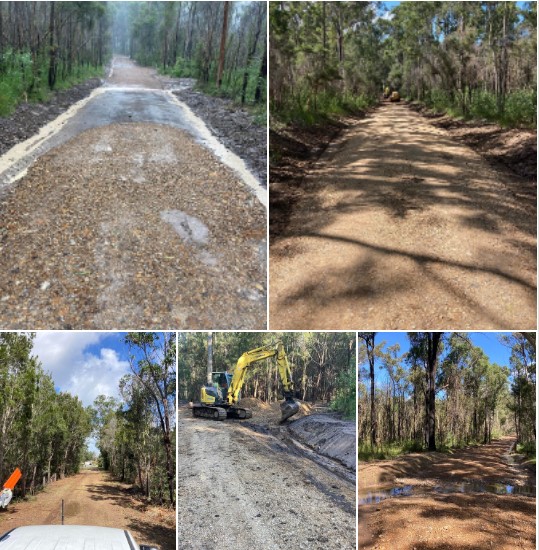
[(479, 497), (28, 118), (234, 126), (92, 498), (248, 481), (402, 227)]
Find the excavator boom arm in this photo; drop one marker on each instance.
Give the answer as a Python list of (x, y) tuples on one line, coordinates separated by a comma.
[(253, 356)]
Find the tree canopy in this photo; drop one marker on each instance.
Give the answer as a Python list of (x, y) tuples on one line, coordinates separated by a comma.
[(469, 58)]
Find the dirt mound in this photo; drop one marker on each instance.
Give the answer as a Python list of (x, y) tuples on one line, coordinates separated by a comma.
[(236, 127), (293, 150), (270, 413), (329, 436)]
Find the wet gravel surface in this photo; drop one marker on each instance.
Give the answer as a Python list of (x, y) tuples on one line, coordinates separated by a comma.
[(234, 126), (132, 225), (28, 118), (263, 494)]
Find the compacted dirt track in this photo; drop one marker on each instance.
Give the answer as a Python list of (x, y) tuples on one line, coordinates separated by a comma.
[(446, 504), (91, 498), (400, 228), (245, 488)]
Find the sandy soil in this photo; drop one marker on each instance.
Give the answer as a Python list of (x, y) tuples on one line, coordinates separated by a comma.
[(91, 498), (405, 228), (246, 488), (427, 519)]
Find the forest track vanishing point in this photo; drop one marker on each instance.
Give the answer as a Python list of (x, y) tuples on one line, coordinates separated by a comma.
[(401, 227)]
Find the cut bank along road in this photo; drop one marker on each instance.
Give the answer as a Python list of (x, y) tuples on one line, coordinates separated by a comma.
[(91, 498), (130, 213), (242, 489), (400, 227)]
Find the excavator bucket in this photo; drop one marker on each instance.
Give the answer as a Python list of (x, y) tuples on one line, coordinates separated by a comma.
[(289, 408)]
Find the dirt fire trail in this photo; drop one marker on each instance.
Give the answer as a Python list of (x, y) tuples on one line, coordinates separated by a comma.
[(401, 228), (92, 498), (444, 506)]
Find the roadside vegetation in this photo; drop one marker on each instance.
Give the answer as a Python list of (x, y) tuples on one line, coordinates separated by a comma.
[(220, 44), (44, 432), (322, 364), (46, 46), (443, 393), (136, 435), (469, 59)]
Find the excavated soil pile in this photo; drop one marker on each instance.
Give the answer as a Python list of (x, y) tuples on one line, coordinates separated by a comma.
[(293, 151), (328, 436), (233, 126), (270, 413)]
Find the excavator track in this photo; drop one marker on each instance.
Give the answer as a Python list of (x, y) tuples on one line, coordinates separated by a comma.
[(238, 412), (212, 413)]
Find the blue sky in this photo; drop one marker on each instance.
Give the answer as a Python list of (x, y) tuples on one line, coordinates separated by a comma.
[(85, 364)]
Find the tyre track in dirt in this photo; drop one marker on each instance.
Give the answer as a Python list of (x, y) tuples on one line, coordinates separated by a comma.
[(436, 514), (248, 489), (401, 227), (92, 498)]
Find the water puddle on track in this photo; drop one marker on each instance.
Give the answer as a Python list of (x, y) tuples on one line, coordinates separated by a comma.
[(378, 495)]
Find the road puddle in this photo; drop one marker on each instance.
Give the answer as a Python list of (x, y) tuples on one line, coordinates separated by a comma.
[(378, 495)]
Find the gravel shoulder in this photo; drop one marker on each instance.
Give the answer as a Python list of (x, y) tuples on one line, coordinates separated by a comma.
[(232, 125), (402, 227), (429, 519), (93, 498), (247, 486)]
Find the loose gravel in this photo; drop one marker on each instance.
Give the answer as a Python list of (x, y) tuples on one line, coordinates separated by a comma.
[(90, 237)]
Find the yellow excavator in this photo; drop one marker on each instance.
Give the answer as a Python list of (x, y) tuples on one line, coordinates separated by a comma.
[(219, 399)]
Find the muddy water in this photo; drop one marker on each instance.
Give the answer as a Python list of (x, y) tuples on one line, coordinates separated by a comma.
[(378, 495)]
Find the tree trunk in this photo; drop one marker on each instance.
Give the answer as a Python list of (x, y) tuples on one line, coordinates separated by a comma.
[(222, 49)]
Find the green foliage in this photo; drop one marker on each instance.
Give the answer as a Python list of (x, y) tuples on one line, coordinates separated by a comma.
[(527, 449), (135, 436), (22, 79), (387, 451), (345, 393), (45, 431)]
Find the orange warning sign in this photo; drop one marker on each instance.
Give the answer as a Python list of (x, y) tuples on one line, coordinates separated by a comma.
[(13, 478)]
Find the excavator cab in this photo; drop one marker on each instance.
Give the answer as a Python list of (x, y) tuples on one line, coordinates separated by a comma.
[(215, 394)]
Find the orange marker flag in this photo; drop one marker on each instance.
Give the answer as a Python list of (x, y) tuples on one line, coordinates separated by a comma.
[(13, 478)]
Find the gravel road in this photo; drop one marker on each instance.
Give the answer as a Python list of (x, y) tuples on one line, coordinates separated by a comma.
[(126, 217), (404, 228), (92, 498), (243, 488)]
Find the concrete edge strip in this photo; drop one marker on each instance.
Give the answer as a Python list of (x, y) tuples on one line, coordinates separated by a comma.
[(11, 157), (27, 147), (225, 155)]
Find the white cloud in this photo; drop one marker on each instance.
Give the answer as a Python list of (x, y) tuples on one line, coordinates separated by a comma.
[(76, 371)]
